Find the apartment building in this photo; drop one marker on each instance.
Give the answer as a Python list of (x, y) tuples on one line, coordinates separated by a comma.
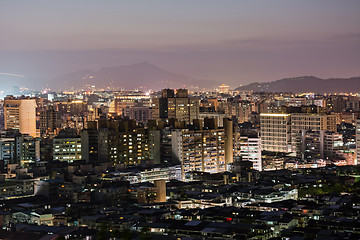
[(20, 113)]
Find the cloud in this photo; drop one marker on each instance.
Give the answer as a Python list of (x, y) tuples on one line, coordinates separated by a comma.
[(12, 75)]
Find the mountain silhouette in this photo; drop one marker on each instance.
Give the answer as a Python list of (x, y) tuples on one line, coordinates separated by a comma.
[(306, 84), (136, 76)]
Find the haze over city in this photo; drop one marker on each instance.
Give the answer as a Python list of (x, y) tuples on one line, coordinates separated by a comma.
[(235, 42)]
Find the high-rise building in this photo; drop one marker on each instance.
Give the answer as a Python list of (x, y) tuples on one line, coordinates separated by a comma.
[(49, 121), (281, 132), (229, 138), (249, 149), (132, 146), (16, 148), (357, 141), (309, 121), (275, 132), (90, 143), (202, 149), (176, 106), (120, 142), (1, 114), (199, 150), (319, 144), (333, 142), (311, 145), (67, 146), (20, 113), (29, 149), (154, 137)]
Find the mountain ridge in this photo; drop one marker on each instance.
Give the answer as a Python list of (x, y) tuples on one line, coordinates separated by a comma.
[(141, 75), (306, 84)]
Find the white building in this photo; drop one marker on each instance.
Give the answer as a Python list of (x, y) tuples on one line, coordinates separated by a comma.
[(275, 132), (20, 113), (250, 150)]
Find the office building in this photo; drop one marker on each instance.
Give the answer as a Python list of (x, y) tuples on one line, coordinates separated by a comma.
[(275, 132), (176, 106), (310, 121), (20, 113), (67, 146), (281, 132)]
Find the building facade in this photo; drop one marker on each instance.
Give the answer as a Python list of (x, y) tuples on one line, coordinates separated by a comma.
[(249, 149), (357, 141), (67, 147), (20, 114), (275, 132), (176, 106)]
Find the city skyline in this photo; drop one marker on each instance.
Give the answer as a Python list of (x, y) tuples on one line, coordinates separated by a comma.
[(179, 120), (174, 164)]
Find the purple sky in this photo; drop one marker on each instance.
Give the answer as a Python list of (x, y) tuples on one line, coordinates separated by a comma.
[(231, 41)]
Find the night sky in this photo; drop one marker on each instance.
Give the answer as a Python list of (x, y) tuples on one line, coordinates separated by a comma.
[(231, 41)]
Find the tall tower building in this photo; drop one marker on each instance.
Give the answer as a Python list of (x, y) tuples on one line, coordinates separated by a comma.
[(357, 141), (20, 113), (1, 114), (228, 128)]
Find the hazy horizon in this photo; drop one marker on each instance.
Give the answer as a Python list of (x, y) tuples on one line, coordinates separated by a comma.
[(234, 42)]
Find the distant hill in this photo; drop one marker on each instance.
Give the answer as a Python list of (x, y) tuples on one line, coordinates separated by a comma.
[(141, 75), (306, 84)]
